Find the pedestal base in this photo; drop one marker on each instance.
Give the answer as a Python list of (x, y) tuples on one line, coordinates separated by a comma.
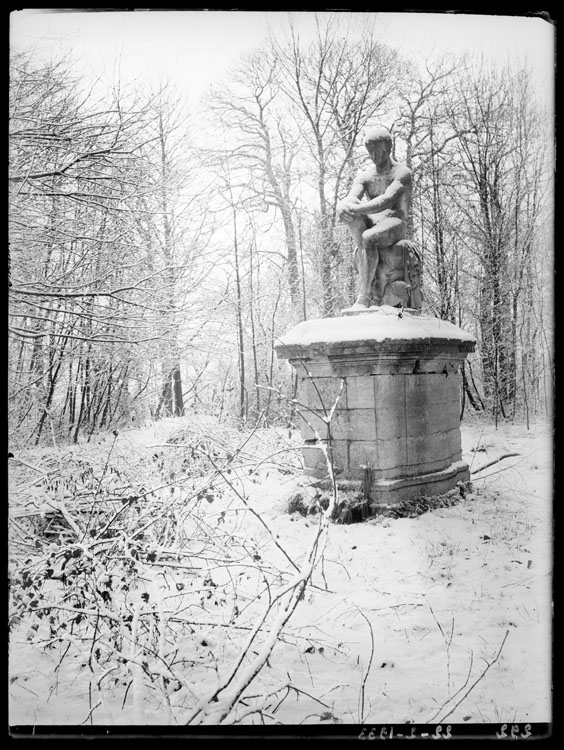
[(380, 395), (385, 493)]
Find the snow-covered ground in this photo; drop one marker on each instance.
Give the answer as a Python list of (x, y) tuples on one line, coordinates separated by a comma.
[(444, 615)]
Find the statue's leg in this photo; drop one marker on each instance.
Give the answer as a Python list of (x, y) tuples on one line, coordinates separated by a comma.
[(382, 235), (367, 263), (366, 258), (357, 227), (390, 269)]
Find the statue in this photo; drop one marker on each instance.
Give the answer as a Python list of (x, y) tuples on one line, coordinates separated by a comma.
[(388, 265)]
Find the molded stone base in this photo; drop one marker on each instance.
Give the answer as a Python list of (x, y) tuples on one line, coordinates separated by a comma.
[(392, 491), (389, 492)]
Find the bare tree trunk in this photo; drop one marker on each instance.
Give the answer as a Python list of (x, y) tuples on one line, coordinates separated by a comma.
[(253, 331), (239, 318)]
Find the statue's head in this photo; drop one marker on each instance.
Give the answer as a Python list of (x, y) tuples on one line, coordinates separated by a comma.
[(378, 135)]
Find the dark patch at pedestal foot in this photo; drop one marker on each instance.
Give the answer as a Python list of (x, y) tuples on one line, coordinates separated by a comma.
[(355, 507)]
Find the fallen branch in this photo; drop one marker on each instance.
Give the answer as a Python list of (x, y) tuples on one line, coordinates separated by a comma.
[(29, 466), (220, 706), (206, 712), (494, 461)]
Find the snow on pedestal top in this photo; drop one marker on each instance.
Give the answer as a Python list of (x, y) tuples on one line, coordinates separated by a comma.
[(384, 324)]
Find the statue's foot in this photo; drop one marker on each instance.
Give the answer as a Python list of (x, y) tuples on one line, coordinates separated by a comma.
[(362, 302)]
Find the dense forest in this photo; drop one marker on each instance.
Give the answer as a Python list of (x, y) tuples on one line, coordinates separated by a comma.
[(156, 252)]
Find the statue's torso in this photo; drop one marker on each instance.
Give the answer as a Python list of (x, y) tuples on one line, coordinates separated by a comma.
[(376, 184)]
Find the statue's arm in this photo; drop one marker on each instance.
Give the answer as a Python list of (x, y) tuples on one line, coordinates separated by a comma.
[(389, 197), (357, 189), (352, 200)]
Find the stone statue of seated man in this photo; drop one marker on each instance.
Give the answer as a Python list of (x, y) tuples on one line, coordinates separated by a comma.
[(388, 265)]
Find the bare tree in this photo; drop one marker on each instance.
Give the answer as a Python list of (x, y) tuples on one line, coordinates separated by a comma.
[(174, 228), (336, 85), (263, 145), (85, 303), (502, 167)]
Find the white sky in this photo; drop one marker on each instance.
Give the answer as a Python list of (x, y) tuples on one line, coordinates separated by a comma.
[(194, 48)]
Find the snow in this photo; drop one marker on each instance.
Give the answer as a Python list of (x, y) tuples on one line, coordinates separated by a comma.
[(383, 324), (439, 591), (408, 575)]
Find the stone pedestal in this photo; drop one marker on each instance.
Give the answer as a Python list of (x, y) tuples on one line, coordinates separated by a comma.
[(397, 420)]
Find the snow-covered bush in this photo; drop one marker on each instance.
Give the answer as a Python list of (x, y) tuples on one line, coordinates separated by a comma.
[(148, 565)]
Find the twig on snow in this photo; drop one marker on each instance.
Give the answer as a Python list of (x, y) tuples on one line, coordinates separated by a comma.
[(489, 665), (476, 448), (89, 714), (460, 689), (363, 685), (253, 511)]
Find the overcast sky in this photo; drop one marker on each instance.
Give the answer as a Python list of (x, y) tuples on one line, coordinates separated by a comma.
[(195, 48)]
